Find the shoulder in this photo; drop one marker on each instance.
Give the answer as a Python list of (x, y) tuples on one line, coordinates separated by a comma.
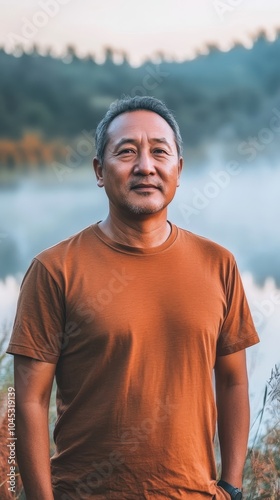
[(66, 251), (204, 246)]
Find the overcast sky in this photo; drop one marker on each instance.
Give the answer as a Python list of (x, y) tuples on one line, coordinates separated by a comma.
[(176, 27)]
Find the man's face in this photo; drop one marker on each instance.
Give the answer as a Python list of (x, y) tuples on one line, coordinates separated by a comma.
[(141, 166)]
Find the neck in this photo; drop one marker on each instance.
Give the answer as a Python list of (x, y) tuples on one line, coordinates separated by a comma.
[(146, 232)]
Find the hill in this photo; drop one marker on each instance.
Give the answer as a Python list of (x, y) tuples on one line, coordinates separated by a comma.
[(219, 97)]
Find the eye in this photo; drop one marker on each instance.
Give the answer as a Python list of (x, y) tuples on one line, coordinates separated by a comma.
[(159, 151), (126, 151)]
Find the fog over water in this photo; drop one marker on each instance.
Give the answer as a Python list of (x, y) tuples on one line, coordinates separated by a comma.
[(238, 208)]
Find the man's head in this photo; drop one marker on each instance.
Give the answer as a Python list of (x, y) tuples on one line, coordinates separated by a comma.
[(138, 159), (129, 104)]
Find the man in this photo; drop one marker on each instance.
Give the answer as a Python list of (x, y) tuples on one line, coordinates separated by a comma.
[(132, 315)]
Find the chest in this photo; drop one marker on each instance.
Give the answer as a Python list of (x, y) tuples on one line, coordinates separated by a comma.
[(147, 300)]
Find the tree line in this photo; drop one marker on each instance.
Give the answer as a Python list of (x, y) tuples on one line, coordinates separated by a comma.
[(218, 97)]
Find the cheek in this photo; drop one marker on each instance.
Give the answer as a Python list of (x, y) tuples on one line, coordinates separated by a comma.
[(172, 179), (114, 183)]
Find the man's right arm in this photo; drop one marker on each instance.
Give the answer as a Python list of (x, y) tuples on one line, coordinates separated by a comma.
[(33, 384)]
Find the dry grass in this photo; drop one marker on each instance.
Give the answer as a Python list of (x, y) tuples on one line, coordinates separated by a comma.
[(262, 471), (6, 374)]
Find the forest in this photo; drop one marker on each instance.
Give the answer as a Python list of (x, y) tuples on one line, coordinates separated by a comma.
[(48, 103)]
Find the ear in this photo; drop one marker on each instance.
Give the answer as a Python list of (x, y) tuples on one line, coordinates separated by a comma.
[(98, 172), (180, 167)]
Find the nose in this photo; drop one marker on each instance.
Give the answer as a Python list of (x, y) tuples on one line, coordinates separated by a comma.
[(144, 164)]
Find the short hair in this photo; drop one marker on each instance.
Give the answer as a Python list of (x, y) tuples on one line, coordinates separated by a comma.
[(127, 104)]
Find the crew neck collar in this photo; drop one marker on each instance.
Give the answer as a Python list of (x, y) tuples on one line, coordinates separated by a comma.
[(136, 250)]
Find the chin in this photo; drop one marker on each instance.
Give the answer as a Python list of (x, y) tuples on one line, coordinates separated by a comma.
[(144, 210)]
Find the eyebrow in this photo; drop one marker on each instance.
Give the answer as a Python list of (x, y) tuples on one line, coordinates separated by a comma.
[(130, 140)]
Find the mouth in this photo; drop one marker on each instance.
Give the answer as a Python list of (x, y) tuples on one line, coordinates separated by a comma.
[(144, 187)]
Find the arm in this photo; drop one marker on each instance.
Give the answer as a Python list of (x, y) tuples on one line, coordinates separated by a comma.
[(33, 384), (233, 414)]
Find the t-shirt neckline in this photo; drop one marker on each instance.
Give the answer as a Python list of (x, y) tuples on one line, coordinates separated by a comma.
[(136, 250)]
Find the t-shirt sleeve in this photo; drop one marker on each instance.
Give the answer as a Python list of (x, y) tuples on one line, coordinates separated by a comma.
[(39, 321), (238, 330)]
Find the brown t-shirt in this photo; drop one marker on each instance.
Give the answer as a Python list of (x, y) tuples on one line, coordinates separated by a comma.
[(135, 334)]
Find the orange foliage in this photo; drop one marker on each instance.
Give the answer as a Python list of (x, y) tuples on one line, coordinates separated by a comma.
[(30, 151)]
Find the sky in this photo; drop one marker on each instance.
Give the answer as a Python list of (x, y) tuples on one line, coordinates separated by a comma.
[(178, 28)]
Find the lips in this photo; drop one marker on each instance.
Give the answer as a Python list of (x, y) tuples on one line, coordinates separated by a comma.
[(145, 186)]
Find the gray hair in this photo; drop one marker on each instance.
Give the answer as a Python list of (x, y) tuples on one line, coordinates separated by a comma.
[(136, 103)]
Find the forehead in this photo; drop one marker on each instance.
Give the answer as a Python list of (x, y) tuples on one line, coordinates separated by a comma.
[(135, 124)]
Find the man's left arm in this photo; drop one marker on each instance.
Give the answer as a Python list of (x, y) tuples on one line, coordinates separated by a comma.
[(233, 414)]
